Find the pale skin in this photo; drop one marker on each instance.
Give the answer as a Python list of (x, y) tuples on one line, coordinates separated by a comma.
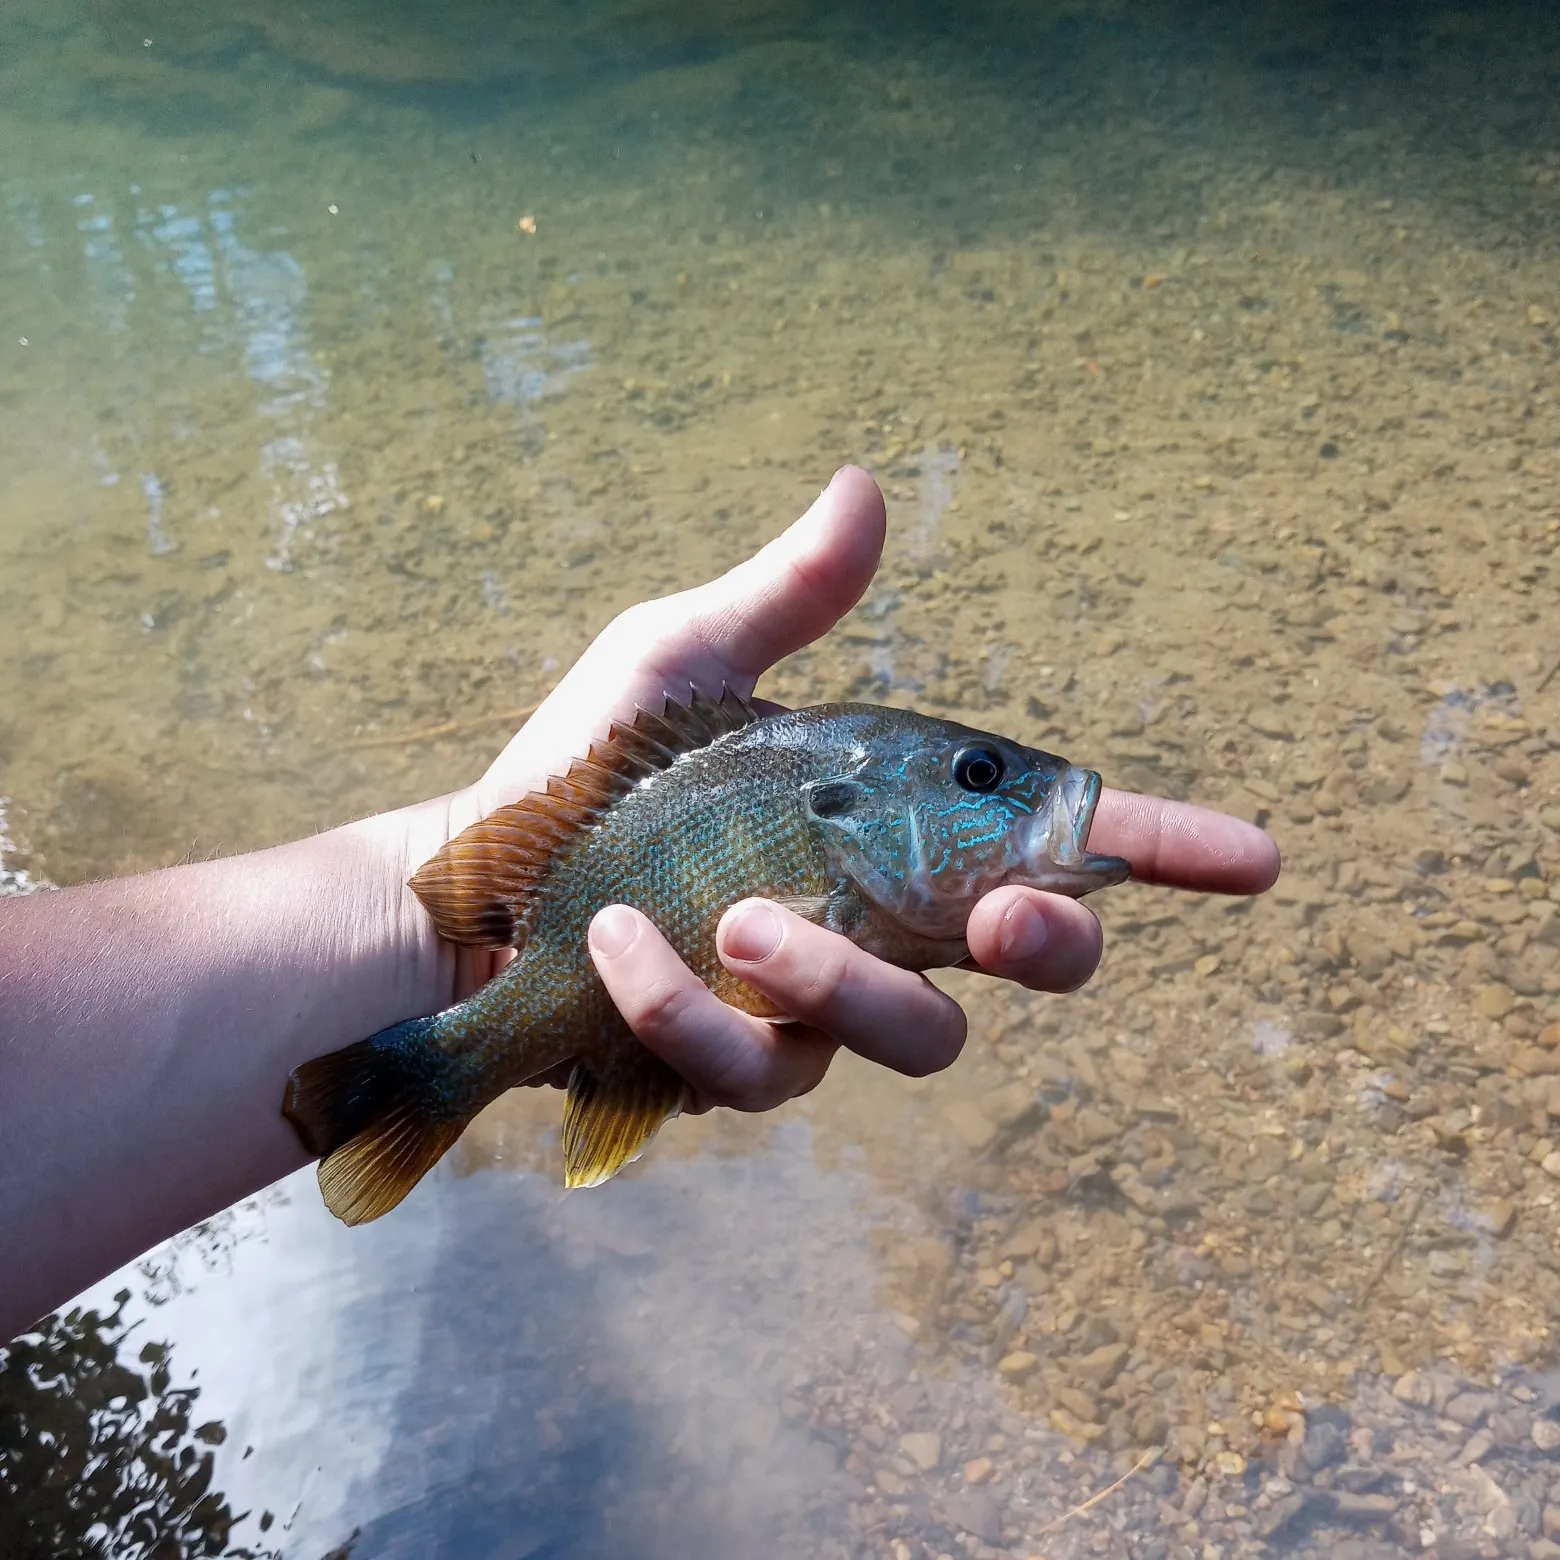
[(148, 1024)]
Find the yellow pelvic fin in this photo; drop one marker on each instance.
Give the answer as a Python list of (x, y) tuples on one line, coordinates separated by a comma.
[(614, 1109)]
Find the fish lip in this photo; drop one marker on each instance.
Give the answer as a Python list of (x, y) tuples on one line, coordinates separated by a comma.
[(1059, 860)]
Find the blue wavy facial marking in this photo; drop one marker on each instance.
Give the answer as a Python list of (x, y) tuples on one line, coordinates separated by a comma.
[(908, 824)]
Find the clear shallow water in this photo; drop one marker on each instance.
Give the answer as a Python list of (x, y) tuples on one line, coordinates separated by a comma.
[(1207, 359)]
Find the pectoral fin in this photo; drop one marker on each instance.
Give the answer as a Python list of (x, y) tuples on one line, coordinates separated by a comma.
[(615, 1108)]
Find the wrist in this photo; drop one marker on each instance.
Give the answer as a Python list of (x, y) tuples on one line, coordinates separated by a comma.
[(368, 864)]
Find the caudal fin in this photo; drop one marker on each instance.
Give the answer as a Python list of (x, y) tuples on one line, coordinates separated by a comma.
[(365, 1111)]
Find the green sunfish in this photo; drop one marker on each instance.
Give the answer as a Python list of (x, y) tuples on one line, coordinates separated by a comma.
[(881, 824)]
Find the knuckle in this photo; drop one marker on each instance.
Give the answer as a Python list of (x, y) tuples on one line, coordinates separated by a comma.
[(636, 628), (828, 987), (661, 1008)]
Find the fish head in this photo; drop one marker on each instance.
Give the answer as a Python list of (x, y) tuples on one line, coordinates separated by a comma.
[(926, 816)]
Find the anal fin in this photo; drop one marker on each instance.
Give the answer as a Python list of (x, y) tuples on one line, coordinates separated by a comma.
[(615, 1107), (372, 1173)]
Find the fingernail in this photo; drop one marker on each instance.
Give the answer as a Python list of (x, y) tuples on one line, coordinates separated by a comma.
[(612, 931), (752, 934), (1024, 933)]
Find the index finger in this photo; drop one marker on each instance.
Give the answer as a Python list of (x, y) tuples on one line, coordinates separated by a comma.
[(1178, 845)]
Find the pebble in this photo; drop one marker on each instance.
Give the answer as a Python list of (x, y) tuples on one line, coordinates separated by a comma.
[(1496, 1216), (973, 1128), (1269, 722), (1017, 1365), (978, 1470), (1476, 1449), (975, 1512), (1079, 1404), (923, 1448), (1546, 1435), (1101, 1366), (1033, 1239), (1415, 1389), (1494, 1001), (1469, 1409)]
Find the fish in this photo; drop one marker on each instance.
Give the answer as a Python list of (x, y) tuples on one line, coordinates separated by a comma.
[(884, 825)]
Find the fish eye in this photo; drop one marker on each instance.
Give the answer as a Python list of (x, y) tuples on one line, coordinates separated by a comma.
[(977, 769)]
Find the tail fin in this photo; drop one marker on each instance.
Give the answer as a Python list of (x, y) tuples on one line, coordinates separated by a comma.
[(368, 1113)]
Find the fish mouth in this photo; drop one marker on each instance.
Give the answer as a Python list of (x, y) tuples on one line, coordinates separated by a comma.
[(1056, 855)]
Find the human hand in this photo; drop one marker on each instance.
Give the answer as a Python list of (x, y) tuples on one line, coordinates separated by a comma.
[(728, 633)]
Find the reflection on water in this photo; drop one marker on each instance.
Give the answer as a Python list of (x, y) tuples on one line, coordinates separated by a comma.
[(1207, 358), (98, 1455)]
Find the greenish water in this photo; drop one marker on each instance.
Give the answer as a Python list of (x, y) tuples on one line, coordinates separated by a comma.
[(1207, 356)]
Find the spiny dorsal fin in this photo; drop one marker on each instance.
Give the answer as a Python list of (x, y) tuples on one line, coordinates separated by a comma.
[(615, 1107), (477, 886)]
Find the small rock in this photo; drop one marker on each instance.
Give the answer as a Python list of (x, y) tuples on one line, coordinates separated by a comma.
[(1207, 964), (923, 1448), (1552, 1521), (1326, 1438), (1415, 1389), (1101, 1366), (1009, 1105), (978, 1470), (889, 1482), (1494, 1001), (1546, 1435), (1348, 1507), (1550, 1164), (972, 1128), (1280, 1514), (1469, 1409), (1478, 1446), (1269, 722), (1496, 1216), (975, 1512), (1017, 1365), (1079, 1404), (1095, 1127), (1310, 1199)]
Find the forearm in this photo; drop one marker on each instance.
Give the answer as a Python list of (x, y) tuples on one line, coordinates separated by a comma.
[(148, 1025)]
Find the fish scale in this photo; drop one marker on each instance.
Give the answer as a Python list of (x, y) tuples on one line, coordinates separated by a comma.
[(883, 825)]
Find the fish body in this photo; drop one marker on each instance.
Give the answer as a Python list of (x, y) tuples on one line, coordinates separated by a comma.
[(883, 825)]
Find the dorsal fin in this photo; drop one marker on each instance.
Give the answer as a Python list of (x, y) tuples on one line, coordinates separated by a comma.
[(477, 886)]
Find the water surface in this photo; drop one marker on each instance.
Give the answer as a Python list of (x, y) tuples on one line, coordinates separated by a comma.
[(1207, 357)]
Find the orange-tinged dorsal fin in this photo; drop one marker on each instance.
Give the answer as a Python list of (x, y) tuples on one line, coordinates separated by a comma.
[(478, 886)]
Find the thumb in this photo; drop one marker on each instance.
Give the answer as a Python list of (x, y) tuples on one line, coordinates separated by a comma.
[(727, 632), (789, 593)]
